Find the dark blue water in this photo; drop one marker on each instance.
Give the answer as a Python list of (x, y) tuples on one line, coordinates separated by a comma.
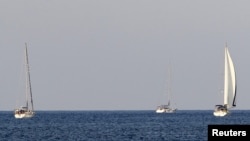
[(114, 125)]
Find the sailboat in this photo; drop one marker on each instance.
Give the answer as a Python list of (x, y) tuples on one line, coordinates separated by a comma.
[(26, 111), (166, 108), (229, 87)]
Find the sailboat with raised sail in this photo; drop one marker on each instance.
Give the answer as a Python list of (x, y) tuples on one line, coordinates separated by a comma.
[(230, 87), (26, 111), (166, 108)]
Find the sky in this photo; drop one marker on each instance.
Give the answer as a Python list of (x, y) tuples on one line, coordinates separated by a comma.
[(114, 55)]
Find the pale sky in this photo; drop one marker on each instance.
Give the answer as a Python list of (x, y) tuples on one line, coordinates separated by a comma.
[(114, 54)]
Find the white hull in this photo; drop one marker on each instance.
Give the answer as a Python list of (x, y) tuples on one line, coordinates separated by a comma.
[(24, 115), (165, 110), (220, 113)]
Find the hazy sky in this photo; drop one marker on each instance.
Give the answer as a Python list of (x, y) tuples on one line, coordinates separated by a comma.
[(114, 54)]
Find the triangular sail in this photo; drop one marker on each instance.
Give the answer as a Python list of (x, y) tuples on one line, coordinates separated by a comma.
[(229, 81), (28, 83)]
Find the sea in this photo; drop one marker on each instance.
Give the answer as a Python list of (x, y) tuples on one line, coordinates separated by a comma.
[(145, 125)]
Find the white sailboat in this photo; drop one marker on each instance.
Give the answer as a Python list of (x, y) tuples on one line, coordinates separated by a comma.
[(166, 108), (26, 111), (229, 87)]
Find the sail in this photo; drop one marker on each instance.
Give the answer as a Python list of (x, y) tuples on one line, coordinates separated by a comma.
[(229, 81), (28, 82)]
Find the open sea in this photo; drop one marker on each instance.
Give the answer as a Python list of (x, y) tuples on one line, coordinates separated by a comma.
[(184, 125)]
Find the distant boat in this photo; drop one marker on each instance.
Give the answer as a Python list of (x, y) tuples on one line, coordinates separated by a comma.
[(26, 111), (229, 87), (166, 108)]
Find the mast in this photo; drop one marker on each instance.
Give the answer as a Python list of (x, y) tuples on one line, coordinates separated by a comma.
[(169, 96), (226, 78), (28, 83)]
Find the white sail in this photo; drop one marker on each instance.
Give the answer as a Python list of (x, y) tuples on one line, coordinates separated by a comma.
[(26, 111), (230, 81), (229, 87)]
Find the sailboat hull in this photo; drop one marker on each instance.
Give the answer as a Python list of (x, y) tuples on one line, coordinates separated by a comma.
[(220, 113), (165, 110), (27, 114)]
